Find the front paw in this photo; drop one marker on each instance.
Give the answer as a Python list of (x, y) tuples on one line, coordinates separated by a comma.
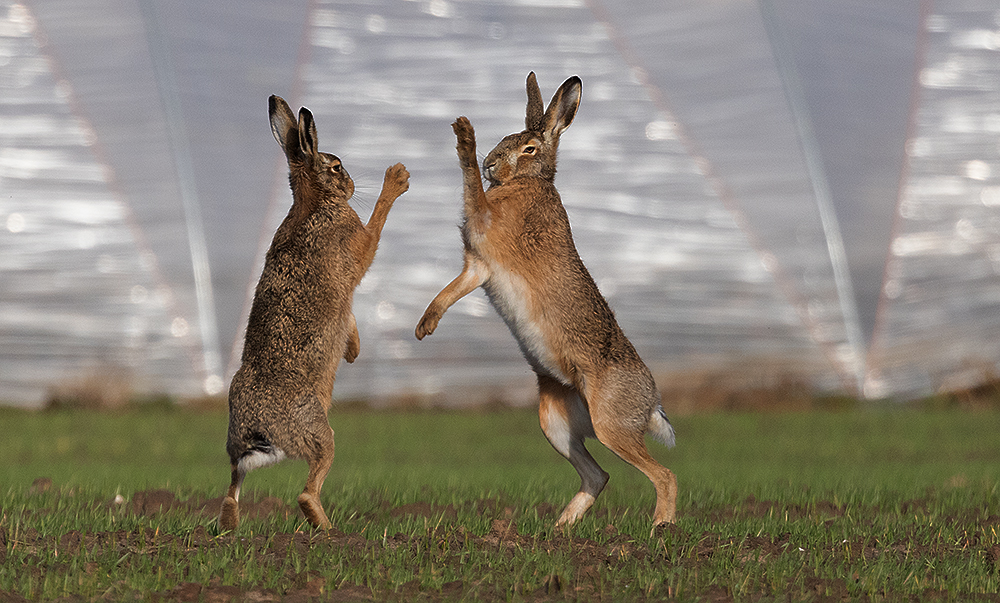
[(428, 323), (397, 181), (352, 351), (466, 140)]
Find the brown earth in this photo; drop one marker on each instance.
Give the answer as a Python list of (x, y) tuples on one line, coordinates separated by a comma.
[(589, 559)]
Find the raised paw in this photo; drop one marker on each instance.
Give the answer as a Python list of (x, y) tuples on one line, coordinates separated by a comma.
[(397, 181), (428, 323), (466, 140), (353, 349)]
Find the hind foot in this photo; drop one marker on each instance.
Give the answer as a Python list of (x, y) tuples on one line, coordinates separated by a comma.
[(661, 530), (663, 526), (229, 517), (666, 498), (314, 511), (575, 509)]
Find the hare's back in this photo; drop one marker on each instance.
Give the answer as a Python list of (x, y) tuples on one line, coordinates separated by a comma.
[(300, 316)]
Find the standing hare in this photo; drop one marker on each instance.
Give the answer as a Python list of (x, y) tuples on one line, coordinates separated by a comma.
[(301, 323), (519, 249)]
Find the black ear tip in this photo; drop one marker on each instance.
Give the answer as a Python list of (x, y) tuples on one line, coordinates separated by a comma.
[(574, 86)]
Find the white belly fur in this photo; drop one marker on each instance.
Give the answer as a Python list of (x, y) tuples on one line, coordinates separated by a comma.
[(510, 295)]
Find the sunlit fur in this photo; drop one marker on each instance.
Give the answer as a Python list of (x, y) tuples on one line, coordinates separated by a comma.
[(519, 248), (301, 323)]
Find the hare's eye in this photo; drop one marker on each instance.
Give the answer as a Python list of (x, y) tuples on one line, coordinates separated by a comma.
[(529, 150), (335, 168)]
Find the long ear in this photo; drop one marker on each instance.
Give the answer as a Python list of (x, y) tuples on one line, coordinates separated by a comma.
[(534, 114), (308, 138), (562, 108), (282, 121)]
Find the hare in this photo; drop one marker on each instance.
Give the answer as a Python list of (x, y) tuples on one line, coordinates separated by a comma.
[(301, 323), (518, 247)]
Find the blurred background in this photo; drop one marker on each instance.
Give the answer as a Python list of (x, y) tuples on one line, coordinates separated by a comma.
[(770, 191)]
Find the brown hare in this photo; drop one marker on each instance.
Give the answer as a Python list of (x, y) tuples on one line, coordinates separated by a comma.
[(519, 249), (301, 323)]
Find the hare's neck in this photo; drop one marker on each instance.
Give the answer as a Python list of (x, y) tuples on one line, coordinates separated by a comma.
[(305, 192), (302, 207)]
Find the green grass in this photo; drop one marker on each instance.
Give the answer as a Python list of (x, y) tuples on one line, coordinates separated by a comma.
[(882, 504)]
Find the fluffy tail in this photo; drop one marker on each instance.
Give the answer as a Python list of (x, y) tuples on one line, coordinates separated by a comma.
[(660, 427)]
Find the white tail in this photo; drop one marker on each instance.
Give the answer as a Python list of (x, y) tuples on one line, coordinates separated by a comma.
[(660, 427)]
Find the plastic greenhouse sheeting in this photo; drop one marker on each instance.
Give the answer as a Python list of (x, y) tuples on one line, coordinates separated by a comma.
[(805, 188)]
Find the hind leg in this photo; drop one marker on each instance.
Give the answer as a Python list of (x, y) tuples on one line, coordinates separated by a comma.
[(319, 466), (624, 435), (565, 422), (631, 447), (229, 516)]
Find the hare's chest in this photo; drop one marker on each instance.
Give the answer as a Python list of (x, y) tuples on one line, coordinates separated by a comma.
[(513, 299)]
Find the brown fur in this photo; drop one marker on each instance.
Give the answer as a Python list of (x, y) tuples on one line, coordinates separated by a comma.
[(301, 323), (518, 246)]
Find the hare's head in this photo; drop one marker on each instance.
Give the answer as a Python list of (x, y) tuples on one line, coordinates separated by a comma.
[(533, 151), (309, 169)]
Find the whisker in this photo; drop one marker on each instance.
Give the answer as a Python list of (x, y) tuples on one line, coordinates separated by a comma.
[(364, 197)]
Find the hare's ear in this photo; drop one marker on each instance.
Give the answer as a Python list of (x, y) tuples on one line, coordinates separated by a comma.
[(282, 121), (308, 138), (536, 111), (562, 108)]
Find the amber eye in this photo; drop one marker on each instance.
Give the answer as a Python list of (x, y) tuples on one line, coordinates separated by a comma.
[(335, 168), (529, 150)]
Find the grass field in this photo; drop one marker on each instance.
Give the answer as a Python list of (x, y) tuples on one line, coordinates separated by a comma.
[(812, 506)]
